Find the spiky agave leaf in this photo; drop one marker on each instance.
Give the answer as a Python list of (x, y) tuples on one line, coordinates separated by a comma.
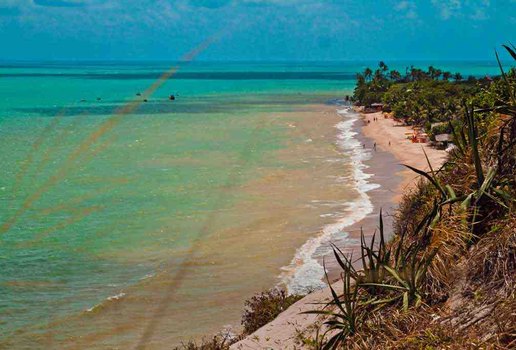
[(458, 142), (346, 318), (504, 76), (344, 262), (511, 51), (426, 175), (374, 258), (473, 140)]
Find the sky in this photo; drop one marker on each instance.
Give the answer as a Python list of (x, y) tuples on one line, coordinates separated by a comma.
[(300, 30)]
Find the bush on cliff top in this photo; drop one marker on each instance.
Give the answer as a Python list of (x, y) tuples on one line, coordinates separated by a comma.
[(265, 307)]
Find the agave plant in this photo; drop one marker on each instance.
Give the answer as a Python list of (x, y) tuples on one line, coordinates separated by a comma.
[(409, 265), (345, 312), (373, 259), (409, 272)]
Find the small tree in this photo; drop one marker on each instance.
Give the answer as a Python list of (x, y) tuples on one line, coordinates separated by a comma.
[(395, 75)]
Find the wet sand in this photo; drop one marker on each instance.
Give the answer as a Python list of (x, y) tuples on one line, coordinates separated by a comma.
[(386, 167)]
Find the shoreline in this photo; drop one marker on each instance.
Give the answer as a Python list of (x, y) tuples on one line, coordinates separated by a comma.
[(384, 179), (385, 166), (309, 274)]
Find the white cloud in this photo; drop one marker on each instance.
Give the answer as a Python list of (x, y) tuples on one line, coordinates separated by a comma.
[(448, 8), (408, 9), (476, 10), (479, 15), (403, 5)]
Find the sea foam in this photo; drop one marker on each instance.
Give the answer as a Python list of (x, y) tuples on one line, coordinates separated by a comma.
[(305, 272), (112, 298)]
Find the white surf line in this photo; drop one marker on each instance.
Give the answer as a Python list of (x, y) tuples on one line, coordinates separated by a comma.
[(305, 272)]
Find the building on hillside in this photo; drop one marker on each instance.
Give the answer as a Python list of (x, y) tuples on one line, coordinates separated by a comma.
[(378, 107), (443, 140)]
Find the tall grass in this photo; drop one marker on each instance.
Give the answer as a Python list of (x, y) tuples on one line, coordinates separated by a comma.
[(463, 212)]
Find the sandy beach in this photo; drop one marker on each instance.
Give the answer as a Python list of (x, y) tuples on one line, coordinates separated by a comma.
[(392, 150), (390, 137)]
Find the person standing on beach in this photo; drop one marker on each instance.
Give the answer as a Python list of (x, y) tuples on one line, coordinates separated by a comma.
[(374, 146)]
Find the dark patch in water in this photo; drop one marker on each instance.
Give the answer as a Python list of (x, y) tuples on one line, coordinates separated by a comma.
[(193, 75), (203, 106)]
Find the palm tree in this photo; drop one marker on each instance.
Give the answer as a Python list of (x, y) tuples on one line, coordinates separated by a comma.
[(431, 72), (360, 80), (407, 74), (395, 75), (446, 75), (368, 73), (378, 75), (413, 73), (418, 74), (438, 74), (457, 76), (383, 66), (434, 73)]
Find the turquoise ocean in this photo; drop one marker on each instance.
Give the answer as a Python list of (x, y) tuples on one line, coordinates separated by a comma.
[(152, 228)]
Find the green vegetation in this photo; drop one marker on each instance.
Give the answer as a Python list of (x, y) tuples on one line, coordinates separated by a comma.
[(265, 307), (424, 97), (345, 312), (218, 342), (259, 310), (448, 277)]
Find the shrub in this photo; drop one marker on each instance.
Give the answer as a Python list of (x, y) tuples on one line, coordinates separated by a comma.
[(218, 342), (265, 307)]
